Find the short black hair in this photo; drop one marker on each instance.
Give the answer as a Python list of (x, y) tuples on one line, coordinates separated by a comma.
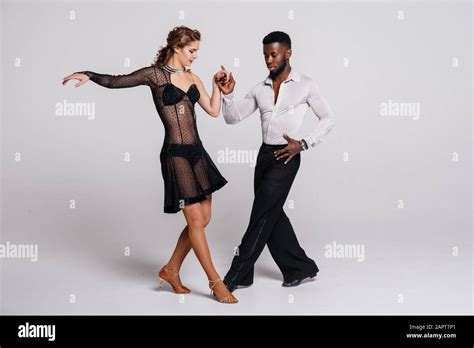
[(277, 36)]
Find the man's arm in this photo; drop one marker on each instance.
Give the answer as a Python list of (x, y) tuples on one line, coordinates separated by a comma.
[(321, 109), (236, 111)]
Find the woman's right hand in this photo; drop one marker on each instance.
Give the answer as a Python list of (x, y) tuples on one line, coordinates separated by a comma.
[(83, 78)]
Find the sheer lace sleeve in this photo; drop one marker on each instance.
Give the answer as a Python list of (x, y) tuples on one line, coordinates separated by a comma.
[(143, 76)]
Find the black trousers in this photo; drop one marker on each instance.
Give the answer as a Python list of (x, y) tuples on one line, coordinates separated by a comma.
[(269, 224)]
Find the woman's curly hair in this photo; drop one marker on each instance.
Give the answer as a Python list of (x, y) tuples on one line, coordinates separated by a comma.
[(178, 37)]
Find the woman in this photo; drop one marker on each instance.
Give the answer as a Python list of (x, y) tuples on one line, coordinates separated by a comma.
[(188, 172)]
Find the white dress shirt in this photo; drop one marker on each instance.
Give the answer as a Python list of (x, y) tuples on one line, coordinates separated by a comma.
[(297, 93)]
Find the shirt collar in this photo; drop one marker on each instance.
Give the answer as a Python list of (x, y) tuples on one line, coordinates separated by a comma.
[(293, 75)]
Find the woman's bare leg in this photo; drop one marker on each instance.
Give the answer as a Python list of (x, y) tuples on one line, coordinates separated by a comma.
[(195, 217), (183, 246), (174, 264), (206, 209)]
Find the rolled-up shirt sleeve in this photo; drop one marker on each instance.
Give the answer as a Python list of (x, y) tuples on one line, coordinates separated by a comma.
[(322, 110), (236, 111)]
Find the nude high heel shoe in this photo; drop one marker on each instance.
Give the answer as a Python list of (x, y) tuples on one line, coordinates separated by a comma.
[(163, 276), (227, 299)]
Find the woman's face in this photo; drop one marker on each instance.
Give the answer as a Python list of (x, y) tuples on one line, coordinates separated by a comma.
[(187, 54)]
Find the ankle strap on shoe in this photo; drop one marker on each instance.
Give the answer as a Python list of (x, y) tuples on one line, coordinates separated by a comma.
[(212, 283)]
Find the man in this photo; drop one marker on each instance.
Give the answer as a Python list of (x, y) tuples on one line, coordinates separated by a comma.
[(282, 99)]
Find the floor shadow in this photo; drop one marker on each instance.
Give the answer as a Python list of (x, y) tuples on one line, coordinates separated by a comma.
[(267, 272), (141, 269), (167, 288)]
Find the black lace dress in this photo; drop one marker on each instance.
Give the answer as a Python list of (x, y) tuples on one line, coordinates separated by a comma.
[(188, 171)]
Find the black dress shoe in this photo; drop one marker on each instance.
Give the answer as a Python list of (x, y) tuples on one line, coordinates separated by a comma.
[(232, 287), (296, 282)]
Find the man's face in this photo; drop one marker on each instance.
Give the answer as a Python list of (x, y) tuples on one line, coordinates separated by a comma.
[(276, 57)]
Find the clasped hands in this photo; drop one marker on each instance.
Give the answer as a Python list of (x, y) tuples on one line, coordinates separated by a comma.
[(224, 80)]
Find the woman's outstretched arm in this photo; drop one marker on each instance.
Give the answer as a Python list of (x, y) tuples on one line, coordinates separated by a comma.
[(212, 104), (143, 76)]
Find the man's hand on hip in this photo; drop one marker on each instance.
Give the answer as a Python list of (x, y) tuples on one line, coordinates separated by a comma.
[(292, 149)]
